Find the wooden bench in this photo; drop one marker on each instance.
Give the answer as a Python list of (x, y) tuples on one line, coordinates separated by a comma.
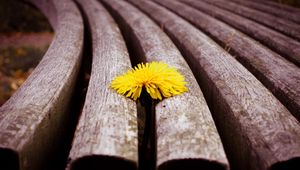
[(260, 61), (252, 54), (142, 32), (252, 122), (280, 43), (182, 144), (240, 111)]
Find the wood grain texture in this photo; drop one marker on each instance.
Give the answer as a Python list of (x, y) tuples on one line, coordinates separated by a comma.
[(283, 81), (282, 25), (185, 128), (281, 6), (289, 15), (106, 135), (32, 120), (278, 42), (257, 130)]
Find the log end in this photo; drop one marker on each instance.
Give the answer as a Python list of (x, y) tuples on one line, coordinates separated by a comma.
[(192, 164), (9, 159), (102, 162), (290, 164)]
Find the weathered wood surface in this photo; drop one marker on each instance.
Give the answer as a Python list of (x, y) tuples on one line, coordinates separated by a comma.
[(284, 81), (33, 120), (280, 6), (257, 130), (106, 135), (283, 25), (186, 133), (287, 14), (278, 42)]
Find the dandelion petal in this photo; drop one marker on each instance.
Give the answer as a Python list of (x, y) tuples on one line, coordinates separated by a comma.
[(158, 78)]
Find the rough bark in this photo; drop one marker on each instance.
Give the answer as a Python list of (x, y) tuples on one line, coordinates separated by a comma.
[(257, 130), (186, 134), (106, 135), (32, 121), (278, 42)]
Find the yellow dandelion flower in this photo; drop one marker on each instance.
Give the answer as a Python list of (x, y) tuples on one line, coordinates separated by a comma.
[(156, 77)]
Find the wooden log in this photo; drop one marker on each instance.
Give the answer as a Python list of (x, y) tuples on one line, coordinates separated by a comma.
[(282, 25), (106, 135), (280, 43), (283, 81), (33, 121), (289, 15), (257, 131), (280, 6), (186, 134)]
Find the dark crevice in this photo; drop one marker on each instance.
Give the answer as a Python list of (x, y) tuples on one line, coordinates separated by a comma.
[(9, 159), (291, 164), (147, 132), (145, 104)]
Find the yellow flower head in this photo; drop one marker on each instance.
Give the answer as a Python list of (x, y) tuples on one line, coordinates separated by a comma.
[(156, 77)]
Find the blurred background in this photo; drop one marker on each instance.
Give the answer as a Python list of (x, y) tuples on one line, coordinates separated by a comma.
[(25, 36)]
